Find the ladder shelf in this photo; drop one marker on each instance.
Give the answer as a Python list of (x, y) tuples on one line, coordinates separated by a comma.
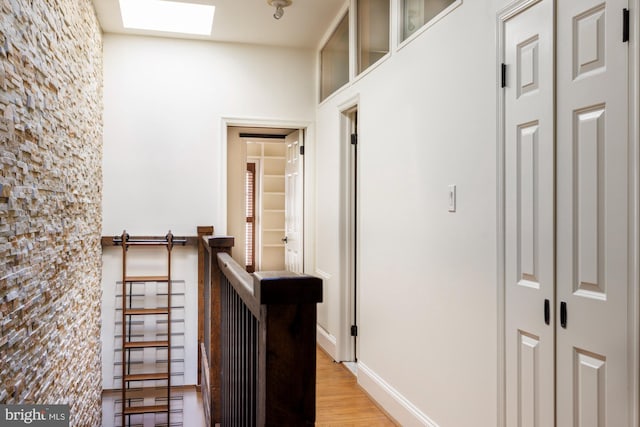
[(128, 392)]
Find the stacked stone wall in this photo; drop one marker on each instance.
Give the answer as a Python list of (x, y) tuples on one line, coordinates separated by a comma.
[(50, 205)]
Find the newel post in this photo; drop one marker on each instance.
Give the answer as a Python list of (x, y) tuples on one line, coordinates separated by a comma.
[(203, 253), (211, 368)]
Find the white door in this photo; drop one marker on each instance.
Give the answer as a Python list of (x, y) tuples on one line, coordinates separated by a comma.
[(294, 202), (529, 214), (593, 381)]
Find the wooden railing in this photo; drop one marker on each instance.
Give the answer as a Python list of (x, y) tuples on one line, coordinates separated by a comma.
[(258, 354)]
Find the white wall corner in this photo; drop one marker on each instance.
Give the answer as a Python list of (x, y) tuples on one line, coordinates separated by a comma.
[(326, 341), (395, 404)]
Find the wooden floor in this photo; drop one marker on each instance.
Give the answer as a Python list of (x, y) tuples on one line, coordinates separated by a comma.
[(340, 402), (339, 399)]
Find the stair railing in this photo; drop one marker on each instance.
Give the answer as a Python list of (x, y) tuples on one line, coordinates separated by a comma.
[(259, 349)]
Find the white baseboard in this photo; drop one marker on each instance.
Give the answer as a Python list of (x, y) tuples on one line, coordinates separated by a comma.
[(326, 341), (396, 405)]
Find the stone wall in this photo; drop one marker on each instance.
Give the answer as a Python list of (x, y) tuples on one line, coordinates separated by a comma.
[(50, 205)]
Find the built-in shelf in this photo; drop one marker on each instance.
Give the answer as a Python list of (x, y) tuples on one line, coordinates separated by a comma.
[(270, 200)]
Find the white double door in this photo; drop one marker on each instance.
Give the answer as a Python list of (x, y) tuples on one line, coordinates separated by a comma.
[(568, 231)]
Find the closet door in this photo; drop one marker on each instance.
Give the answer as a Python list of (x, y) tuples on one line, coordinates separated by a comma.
[(593, 222), (529, 211)]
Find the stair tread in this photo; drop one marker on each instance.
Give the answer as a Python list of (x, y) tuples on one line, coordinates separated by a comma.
[(146, 278), (141, 344), (147, 377), (146, 409), (142, 311)]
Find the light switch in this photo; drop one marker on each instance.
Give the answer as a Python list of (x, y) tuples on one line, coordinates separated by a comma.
[(452, 198)]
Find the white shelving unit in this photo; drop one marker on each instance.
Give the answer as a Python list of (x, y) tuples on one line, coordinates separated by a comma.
[(271, 202)]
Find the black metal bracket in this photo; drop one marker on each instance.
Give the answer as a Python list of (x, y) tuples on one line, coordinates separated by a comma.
[(503, 75)]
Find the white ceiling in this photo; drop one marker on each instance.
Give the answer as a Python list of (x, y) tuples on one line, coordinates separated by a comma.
[(246, 21)]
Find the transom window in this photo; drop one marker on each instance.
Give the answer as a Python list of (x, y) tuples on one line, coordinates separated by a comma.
[(373, 32), (334, 59), (416, 13)]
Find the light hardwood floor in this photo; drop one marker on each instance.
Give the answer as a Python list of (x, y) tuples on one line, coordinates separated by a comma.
[(339, 399), (340, 402)]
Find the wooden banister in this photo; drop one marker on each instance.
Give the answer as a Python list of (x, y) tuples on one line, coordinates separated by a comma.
[(260, 343), (210, 385)]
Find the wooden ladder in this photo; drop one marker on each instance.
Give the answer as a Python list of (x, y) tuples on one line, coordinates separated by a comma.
[(128, 312)]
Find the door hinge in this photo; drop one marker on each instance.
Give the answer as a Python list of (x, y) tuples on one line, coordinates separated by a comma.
[(503, 75), (302, 150), (625, 25), (354, 139), (354, 330)]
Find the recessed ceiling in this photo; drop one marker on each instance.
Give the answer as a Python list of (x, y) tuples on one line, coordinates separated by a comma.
[(245, 21)]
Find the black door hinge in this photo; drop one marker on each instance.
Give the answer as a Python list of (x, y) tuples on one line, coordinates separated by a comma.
[(354, 331), (302, 150), (503, 75), (625, 25), (354, 139)]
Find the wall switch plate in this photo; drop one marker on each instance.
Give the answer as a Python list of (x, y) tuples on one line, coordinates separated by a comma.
[(452, 198)]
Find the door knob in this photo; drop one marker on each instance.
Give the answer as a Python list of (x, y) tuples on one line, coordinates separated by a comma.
[(285, 240)]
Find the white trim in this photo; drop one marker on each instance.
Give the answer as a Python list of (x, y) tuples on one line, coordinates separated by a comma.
[(634, 214), (349, 104), (353, 40), (323, 274), (503, 15), (399, 407), (326, 341), (345, 344)]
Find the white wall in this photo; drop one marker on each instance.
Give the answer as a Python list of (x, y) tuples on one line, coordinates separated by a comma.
[(164, 104), (428, 327)]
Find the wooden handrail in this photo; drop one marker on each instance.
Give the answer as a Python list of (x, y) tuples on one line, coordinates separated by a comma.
[(259, 353), (241, 280)]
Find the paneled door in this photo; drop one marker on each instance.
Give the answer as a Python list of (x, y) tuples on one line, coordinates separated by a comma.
[(529, 214), (568, 203), (294, 202), (593, 205)]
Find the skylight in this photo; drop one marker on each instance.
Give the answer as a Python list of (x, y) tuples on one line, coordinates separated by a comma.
[(167, 16)]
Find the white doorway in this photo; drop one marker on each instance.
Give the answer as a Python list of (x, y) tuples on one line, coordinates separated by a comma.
[(568, 198), (348, 344), (260, 196)]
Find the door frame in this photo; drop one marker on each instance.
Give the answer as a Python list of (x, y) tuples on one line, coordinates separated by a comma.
[(349, 260), (309, 183), (634, 210)]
